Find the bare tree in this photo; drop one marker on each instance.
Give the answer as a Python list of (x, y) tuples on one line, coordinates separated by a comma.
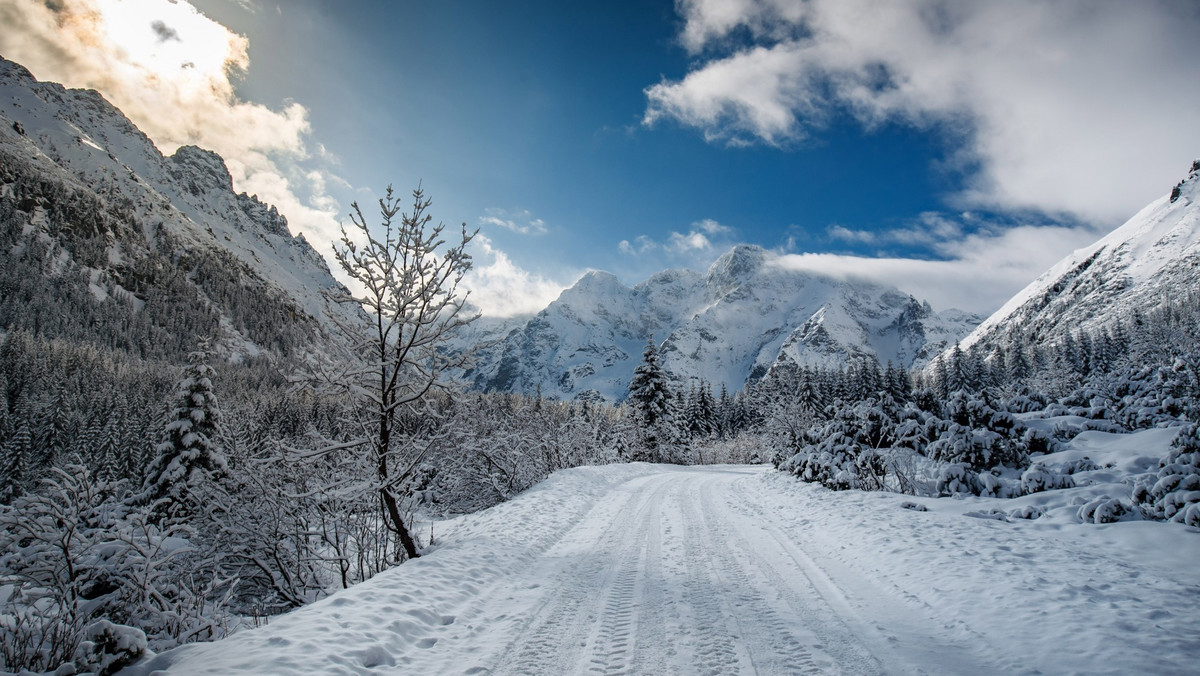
[(406, 280)]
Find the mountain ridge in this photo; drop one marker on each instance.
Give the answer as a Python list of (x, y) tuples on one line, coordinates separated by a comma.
[(726, 326), (178, 215), (1153, 255)]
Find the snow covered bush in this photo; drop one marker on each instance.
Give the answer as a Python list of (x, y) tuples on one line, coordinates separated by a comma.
[(992, 485), (1104, 509), (1027, 512), (75, 551), (1025, 401), (1040, 478), (979, 435), (1039, 442), (957, 478), (992, 514), (108, 648), (49, 543), (844, 453), (1174, 493), (1084, 464), (1150, 396)]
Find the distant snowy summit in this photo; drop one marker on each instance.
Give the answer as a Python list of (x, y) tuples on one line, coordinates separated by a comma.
[(1151, 260), (726, 327)]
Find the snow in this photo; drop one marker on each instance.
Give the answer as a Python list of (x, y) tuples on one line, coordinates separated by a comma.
[(642, 568)]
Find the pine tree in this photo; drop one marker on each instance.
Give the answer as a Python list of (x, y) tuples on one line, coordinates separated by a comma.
[(941, 378), (14, 463), (1018, 365), (648, 390), (706, 409), (188, 455), (652, 400), (724, 414)]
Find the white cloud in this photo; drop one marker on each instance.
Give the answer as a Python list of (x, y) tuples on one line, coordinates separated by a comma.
[(641, 244), (695, 249), (982, 271), (710, 227), (693, 241), (930, 230), (841, 232), (1083, 107), (171, 70), (698, 238), (503, 289), (521, 222)]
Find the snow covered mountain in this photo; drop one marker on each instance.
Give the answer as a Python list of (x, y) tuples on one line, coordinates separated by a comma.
[(726, 326), (106, 205), (1153, 257)]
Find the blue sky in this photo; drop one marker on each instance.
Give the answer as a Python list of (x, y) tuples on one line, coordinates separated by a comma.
[(536, 115), (954, 149)]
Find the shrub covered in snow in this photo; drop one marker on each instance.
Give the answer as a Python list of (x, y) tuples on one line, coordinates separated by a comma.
[(1104, 509), (1174, 493), (979, 435), (993, 485), (1025, 401), (108, 648), (1150, 396), (957, 478), (75, 551), (844, 452), (1084, 464), (1027, 512), (992, 514), (1039, 442), (1040, 478)]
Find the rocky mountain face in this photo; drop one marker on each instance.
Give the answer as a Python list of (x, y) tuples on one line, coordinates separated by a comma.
[(98, 222), (726, 326), (1153, 258)]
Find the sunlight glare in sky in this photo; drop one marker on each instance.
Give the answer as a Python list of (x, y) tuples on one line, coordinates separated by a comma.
[(172, 41)]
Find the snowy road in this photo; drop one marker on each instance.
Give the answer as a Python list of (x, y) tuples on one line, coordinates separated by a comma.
[(679, 572), (716, 570)]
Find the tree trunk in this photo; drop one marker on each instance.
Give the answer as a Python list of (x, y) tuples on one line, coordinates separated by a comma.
[(390, 506), (393, 511)]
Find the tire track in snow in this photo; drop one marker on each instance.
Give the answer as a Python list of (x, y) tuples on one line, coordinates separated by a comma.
[(883, 618), (620, 627), (767, 642), (560, 629), (610, 649), (795, 630)]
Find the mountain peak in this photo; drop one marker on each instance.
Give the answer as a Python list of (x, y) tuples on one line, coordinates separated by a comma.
[(738, 264), (1188, 184), (15, 71), (595, 284), (201, 170)]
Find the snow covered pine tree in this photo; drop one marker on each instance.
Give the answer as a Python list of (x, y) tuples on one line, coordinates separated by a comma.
[(651, 398), (188, 456)]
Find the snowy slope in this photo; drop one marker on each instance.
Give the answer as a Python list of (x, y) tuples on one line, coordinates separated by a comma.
[(725, 326), (1153, 256), (76, 135), (735, 569)]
